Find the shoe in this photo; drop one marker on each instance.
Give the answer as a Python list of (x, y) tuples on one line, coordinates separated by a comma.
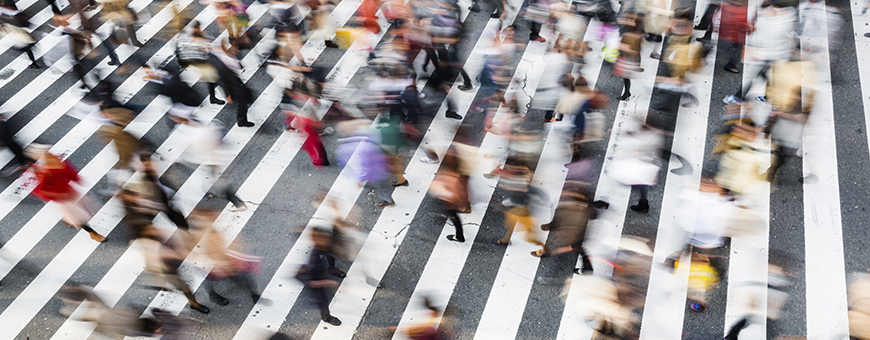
[(732, 99), (428, 160), (538, 39), (331, 44), (245, 124), (670, 263), (337, 272), (386, 204), (731, 69), (333, 321), (455, 239), (698, 28), (698, 307), (465, 88), (702, 40), (500, 243), (451, 114), (655, 55), (762, 98), (624, 96), (97, 237), (600, 204), (137, 44), (217, 101), (112, 63), (259, 299), (587, 265), (495, 16), (867, 35), (641, 207), (218, 299), (397, 184), (540, 253), (200, 308), (238, 209), (34, 65)]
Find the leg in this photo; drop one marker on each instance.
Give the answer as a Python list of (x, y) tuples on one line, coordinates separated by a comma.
[(383, 190), (211, 95), (110, 49), (642, 205), (626, 90), (242, 115), (466, 80), (707, 18), (213, 295), (457, 224), (735, 330), (176, 217), (131, 32)]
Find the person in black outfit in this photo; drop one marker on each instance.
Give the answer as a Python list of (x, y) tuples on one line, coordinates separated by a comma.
[(233, 85), (316, 271)]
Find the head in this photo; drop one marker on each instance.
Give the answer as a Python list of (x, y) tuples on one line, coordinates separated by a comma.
[(322, 237)]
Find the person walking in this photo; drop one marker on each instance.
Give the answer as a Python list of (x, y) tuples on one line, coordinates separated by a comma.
[(229, 69), (314, 274), (54, 176)]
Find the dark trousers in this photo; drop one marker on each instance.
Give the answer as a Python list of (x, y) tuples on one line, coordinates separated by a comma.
[(734, 50), (110, 49), (457, 223), (242, 112), (706, 22)]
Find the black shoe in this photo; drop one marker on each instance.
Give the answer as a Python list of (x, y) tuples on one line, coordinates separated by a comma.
[(451, 114), (217, 101), (137, 43), (455, 239), (397, 184), (624, 96), (495, 15), (218, 299), (600, 204), (34, 65), (331, 44), (245, 124), (333, 321), (257, 298), (465, 88), (641, 207), (200, 308), (112, 63), (731, 69), (587, 265)]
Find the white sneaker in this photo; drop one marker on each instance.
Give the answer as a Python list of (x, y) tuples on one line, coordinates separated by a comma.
[(238, 209)]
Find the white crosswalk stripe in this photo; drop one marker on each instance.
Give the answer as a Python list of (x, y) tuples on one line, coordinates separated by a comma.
[(506, 298)]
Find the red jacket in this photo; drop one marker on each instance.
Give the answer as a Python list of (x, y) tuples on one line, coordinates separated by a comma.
[(54, 183)]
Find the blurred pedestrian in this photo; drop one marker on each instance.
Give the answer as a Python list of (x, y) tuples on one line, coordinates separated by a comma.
[(54, 176), (313, 274)]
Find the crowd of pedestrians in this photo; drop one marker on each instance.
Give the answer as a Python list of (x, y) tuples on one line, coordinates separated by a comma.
[(379, 126)]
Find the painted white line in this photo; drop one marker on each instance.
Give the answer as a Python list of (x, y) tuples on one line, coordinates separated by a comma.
[(825, 263), (445, 264)]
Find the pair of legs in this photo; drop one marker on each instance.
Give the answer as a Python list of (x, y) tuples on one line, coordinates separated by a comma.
[(384, 191), (521, 217), (75, 215), (240, 279), (457, 224)]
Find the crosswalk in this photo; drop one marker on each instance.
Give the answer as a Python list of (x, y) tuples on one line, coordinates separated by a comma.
[(486, 291)]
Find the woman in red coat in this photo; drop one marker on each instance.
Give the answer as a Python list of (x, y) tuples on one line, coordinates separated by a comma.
[(732, 30), (54, 177)]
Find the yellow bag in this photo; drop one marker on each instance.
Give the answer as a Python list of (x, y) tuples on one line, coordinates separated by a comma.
[(345, 36)]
